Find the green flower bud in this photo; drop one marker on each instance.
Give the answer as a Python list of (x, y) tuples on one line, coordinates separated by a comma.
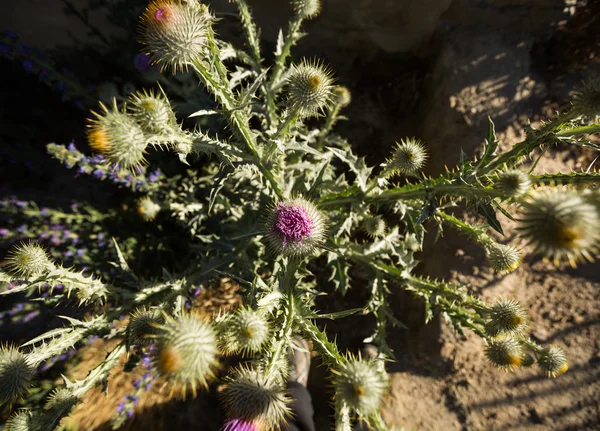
[(16, 373), (117, 137), (512, 183), (505, 352), (295, 228), (144, 326), (561, 224), (505, 316), (360, 384), (61, 400), (408, 158), (586, 100), (29, 261), (152, 112), (503, 258), (309, 88), (147, 208), (21, 420), (374, 226), (186, 351), (553, 361), (245, 331), (255, 397), (176, 32), (307, 8)]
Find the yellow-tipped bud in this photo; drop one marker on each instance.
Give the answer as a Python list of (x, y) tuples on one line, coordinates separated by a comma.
[(309, 88), (245, 331), (505, 352), (307, 8), (553, 361), (117, 137), (586, 100), (505, 316), (512, 183), (408, 158), (503, 258), (152, 112), (16, 373), (147, 208)]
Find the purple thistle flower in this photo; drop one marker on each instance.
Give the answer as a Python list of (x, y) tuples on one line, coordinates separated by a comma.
[(295, 228), (239, 425), (292, 223), (142, 62)]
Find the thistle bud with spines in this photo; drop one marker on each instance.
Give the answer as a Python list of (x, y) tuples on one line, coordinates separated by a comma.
[(16, 372), (505, 316), (408, 158), (251, 395), (307, 9), (374, 226), (553, 362), (144, 326), (29, 261), (147, 208), (244, 331), (505, 352), (361, 384), (341, 96), (118, 137), (310, 88), (62, 400), (503, 258), (560, 224), (186, 352), (586, 100), (21, 420), (152, 112), (512, 183), (295, 228), (176, 32)]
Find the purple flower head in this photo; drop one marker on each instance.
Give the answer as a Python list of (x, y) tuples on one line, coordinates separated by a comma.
[(292, 223), (153, 177), (44, 212), (142, 62), (295, 228), (239, 425), (121, 407), (3, 232), (98, 174)]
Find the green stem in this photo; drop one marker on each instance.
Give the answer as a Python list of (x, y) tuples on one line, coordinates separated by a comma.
[(583, 130), (329, 122), (478, 235)]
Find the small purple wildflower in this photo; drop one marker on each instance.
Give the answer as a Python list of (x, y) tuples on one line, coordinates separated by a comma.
[(292, 223), (44, 212), (239, 425), (3, 232), (22, 228), (98, 173), (153, 177), (121, 407)]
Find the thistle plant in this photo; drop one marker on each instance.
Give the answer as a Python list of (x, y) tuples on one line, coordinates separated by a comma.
[(270, 207)]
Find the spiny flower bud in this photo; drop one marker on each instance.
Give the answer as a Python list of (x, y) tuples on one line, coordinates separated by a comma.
[(15, 374), (512, 183), (503, 258), (147, 208), (360, 384), (553, 361), (295, 228), (176, 32), (341, 96), (586, 100), (245, 331), (408, 158), (22, 420), (504, 316), (560, 224), (374, 226), (152, 112), (144, 326), (117, 137), (307, 8), (505, 352), (29, 261), (250, 395), (309, 88), (61, 400), (186, 351)]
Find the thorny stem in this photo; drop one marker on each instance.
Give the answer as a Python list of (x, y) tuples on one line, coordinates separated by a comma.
[(329, 122), (474, 233)]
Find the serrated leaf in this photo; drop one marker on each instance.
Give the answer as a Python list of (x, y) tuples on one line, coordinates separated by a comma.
[(251, 91), (356, 165), (486, 210), (280, 44)]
